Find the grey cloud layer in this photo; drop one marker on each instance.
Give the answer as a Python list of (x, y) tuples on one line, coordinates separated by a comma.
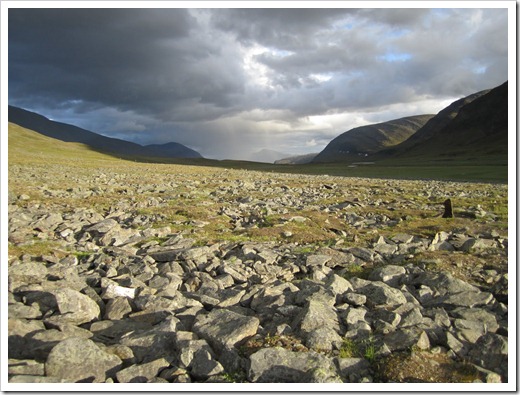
[(206, 77)]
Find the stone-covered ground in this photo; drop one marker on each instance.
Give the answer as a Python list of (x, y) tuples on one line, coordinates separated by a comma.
[(174, 274)]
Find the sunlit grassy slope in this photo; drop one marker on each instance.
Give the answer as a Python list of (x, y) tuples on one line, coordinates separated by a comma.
[(29, 146)]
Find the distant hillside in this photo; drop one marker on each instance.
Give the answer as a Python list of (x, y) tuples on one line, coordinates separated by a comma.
[(27, 145), (367, 140), (297, 160), (266, 156), (473, 127), (71, 133)]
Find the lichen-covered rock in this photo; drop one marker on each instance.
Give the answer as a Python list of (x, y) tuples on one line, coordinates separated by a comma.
[(77, 359), (75, 307), (142, 373), (224, 328), (277, 365)]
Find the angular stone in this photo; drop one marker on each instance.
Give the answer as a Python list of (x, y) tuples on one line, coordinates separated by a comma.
[(149, 345), (75, 307), (102, 227), (113, 290), (441, 246), (26, 367), (77, 359), (323, 339), (19, 310), (26, 378), (385, 249), (204, 365), (352, 370), (117, 309), (444, 283), (27, 273), (354, 299), (277, 365), (364, 254), (466, 299), (19, 343), (223, 328), (389, 274), (381, 294), (188, 348), (477, 314), (354, 315), (316, 315), (491, 352), (405, 338), (142, 373), (317, 260), (338, 285)]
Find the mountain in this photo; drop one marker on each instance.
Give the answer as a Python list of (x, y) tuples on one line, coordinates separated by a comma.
[(71, 133), (297, 160), (367, 140), (266, 156), (473, 127)]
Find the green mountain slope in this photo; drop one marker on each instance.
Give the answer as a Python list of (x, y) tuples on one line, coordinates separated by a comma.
[(363, 141), (71, 133), (477, 132)]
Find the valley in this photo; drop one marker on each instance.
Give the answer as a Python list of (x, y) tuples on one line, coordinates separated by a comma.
[(128, 272)]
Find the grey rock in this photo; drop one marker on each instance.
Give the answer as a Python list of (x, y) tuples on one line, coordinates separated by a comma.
[(491, 352), (117, 308), (323, 339), (381, 294), (338, 285), (27, 273), (465, 299), (352, 370), (354, 299), (205, 366), (277, 365), (223, 328), (142, 373), (389, 274), (77, 359), (148, 345), (19, 310), (187, 348), (36, 379), (316, 315), (317, 260), (485, 317), (75, 307), (405, 338), (25, 367)]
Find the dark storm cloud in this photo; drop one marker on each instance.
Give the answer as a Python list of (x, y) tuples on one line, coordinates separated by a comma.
[(223, 80)]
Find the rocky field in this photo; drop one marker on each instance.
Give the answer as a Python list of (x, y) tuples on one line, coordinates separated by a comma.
[(121, 272)]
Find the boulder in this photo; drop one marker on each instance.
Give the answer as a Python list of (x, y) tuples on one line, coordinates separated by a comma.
[(277, 365), (380, 294), (223, 328), (81, 360), (142, 373), (75, 307)]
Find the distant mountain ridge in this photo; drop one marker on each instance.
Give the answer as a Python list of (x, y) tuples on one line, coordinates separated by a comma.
[(71, 133), (266, 156), (297, 160), (366, 140), (474, 126)]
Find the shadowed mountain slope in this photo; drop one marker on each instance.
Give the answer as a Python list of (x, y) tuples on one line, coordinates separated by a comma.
[(366, 140), (71, 133), (473, 127)]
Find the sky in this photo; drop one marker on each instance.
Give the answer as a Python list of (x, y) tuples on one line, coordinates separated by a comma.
[(228, 82)]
